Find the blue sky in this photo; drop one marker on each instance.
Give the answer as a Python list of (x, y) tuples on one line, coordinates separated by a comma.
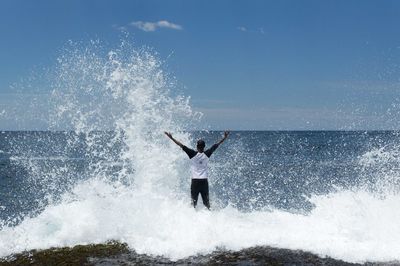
[(245, 64)]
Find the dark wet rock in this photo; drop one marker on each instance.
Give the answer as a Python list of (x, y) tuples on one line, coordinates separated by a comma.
[(115, 253), (77, 255)]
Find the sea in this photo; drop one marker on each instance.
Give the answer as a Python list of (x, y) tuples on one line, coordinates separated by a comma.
[(114, 175)]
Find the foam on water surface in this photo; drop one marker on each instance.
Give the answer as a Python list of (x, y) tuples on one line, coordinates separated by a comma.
[(353, 226)]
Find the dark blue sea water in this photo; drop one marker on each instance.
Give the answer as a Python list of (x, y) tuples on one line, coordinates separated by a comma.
[(252, 170)]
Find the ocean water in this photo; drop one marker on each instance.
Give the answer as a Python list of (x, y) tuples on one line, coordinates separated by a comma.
[(113, 175)]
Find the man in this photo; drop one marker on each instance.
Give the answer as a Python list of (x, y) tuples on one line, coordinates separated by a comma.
[(199, 166)]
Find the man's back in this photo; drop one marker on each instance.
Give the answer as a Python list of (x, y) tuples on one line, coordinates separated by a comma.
[(199, 161), (199, 166)]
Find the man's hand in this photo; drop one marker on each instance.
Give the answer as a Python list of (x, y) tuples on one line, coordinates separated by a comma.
[(226, 134), (168, 134)]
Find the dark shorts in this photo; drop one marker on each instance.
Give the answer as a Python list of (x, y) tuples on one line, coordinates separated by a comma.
[(200, 186)]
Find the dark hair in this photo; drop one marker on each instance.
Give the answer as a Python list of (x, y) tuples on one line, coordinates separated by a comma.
[(201, 144)]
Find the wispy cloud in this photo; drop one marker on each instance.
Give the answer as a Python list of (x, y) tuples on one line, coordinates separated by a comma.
[(152, 26), (244, 29), (241, 28)]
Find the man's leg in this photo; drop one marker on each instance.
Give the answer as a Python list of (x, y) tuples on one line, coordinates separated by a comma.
[(204, 193), (194, 191)]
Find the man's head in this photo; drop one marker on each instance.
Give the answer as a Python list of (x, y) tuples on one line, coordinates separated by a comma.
[(200, 145)]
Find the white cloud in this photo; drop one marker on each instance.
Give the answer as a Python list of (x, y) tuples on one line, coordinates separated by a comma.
[(152, 26), (244, 29)]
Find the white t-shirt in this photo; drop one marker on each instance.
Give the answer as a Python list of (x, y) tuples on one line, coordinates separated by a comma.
[(199, 161)]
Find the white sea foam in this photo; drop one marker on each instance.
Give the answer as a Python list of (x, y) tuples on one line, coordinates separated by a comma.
[(126, 90), (353, 226)]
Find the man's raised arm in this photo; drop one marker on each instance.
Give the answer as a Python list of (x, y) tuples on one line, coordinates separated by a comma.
[(174, 140), (216, 145)]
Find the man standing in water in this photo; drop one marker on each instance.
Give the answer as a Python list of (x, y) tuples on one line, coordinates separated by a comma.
[(199, 165)]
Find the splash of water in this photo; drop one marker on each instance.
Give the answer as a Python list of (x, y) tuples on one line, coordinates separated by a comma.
[(380, 170), (125, 91)]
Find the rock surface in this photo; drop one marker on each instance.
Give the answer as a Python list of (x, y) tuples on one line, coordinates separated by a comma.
[(115, 253)]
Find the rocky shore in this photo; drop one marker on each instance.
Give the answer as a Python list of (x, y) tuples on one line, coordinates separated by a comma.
[(115, 253)]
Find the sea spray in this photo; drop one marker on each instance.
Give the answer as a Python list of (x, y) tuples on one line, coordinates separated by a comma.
[(379, 167), (126, 91), (112, 107)]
